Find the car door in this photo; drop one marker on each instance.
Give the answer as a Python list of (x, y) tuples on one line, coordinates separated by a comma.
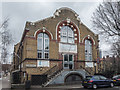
[(104, 81), (97, 80)]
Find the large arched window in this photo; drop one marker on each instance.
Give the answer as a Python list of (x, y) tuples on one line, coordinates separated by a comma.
[(88, 50), (67, 34), (43, 46)]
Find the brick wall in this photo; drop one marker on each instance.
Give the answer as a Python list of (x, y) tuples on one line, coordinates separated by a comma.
[(50, 25)]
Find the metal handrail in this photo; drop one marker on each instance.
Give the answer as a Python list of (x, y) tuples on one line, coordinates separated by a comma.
[(49, 71), (87, 70), (50, 75), (53, 70)]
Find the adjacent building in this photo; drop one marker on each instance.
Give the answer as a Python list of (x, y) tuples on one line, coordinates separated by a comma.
[(110, 64), (56, 50)]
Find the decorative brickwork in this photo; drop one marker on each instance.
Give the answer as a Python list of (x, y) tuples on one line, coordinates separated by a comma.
[(27, 48)]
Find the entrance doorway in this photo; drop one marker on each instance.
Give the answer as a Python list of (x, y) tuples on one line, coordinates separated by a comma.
[(73, 78), (68, 61)]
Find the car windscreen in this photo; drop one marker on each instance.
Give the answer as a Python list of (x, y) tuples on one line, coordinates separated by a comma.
[(116, 77), (88, 77)]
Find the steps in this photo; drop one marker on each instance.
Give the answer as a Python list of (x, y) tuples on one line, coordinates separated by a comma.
[(55, 72), (52, 73), (50, 78), (88, 70)]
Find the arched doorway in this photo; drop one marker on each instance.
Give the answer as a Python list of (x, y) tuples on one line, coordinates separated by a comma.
[(73, 78)]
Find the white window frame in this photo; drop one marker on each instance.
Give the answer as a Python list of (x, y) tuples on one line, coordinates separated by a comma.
[(67, 36), (88, 54), (44, 43), (48, 55), (43, 51), (44, 63)]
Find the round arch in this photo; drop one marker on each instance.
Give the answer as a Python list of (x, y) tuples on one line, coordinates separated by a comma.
[(73, 77), (88, 38), (72, 25), (43, 31)]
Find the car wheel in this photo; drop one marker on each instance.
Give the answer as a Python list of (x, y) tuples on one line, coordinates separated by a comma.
[(111, 85), (94, 86)]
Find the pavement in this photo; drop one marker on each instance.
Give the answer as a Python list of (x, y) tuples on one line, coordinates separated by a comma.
[(0, 83), (5, 85), (5, 82), (59, 86)]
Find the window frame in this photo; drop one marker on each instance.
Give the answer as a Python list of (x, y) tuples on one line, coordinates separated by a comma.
[(67, 36), (43, 51), (88, 48)]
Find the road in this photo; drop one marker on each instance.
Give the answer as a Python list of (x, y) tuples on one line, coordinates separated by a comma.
[(5, 82), (5, 85)]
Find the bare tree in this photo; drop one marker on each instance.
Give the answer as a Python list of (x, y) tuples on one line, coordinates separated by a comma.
[(106, 20), (6, 40), (116, 48)]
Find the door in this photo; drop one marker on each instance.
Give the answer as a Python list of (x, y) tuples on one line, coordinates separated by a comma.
[(68, 61), (105, 81)]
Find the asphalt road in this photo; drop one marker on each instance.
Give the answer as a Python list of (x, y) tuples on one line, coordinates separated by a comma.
[(5, 82), (5, 85), (64, 89)]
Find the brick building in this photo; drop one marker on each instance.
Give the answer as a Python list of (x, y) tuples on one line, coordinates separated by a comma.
[(111, 64), (56, 50)]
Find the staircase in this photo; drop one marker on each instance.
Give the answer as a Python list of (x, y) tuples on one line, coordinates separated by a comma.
[(57, 70), (89, 71), (53, 72)]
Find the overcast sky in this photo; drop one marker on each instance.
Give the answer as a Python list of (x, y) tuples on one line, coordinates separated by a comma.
[(20, 12)]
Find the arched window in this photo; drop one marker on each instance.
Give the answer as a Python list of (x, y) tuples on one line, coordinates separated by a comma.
[(67, 34), (88, 50), (43, 46)]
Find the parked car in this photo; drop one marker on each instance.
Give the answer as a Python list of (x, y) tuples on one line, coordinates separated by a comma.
[(116, 79), (96, 81)]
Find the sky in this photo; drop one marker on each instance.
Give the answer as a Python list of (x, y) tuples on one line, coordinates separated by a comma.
[(20, 12)]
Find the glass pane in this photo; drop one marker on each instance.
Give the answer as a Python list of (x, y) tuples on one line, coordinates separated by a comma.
[(65, 57), (46, 55), (88, 77), (63, 39), (90, 57), (70, 57), (40, 63), (96, 78), (45, 36), (88, 50), (39, 43), (67, 32), (64, 34), (70, 40), (46, 44), (65, 65), (70, 32), (103, 78), (40, 35), (64, 28), (86, 57), (39, 55)]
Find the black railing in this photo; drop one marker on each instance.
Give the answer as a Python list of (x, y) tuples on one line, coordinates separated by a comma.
[(90, 70), (51, 73)]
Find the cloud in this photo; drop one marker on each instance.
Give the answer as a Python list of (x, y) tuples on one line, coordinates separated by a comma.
[(20, 12)]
